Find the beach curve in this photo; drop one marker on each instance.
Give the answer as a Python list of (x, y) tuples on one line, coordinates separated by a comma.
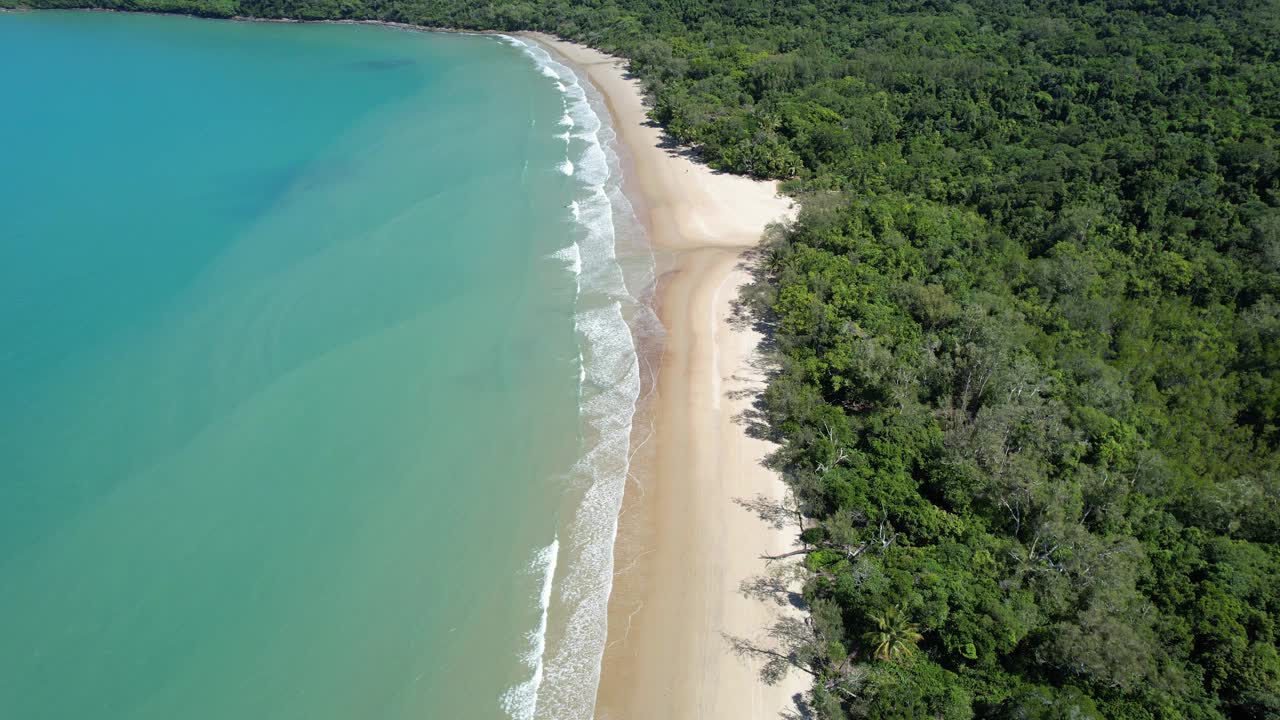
[(685, 545)]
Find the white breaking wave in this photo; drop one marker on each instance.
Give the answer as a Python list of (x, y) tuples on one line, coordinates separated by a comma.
[(609, 385), (571, 255), (546, 70), (521, 701)]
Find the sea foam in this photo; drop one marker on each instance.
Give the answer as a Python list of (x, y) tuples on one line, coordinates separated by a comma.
[(571, 255), (520, 701), (609, 379)]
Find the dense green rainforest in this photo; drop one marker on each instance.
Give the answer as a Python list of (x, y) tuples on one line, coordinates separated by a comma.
[(1027, 330)]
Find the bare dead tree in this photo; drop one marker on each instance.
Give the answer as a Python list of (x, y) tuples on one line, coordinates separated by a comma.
[(885, 537), (837, 454)]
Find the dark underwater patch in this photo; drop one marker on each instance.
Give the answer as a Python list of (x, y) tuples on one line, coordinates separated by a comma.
[(380, 65)]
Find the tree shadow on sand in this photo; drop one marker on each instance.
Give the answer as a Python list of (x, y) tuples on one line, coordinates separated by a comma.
[(751, 311), (799, 711)]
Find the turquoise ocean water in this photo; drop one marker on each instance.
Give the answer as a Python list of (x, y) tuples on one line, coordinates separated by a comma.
[(315, 383)]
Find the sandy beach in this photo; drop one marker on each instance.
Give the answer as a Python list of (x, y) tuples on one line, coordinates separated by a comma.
[(685, 545)]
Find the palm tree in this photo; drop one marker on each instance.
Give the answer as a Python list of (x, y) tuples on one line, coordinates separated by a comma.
[(893, 636)]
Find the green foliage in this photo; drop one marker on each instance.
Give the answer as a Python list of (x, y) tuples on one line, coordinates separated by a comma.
[(893, 636), (1069, 469), (1027, 327)]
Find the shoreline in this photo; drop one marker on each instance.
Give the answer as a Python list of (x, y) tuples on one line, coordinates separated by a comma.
[(684, 545)]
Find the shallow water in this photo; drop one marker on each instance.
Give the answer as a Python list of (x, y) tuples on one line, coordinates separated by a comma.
[(317, 386)]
